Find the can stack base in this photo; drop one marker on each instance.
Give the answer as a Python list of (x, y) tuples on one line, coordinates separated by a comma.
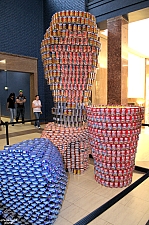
[(73, 144)]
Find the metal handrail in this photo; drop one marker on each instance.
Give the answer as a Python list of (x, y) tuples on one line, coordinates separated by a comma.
[(6, 124)]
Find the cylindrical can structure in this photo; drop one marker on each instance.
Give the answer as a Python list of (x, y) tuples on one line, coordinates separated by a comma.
[(114, 134)]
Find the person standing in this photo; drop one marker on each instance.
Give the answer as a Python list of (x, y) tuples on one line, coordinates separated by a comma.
[(11, 106), (20, 100), (36, 105)]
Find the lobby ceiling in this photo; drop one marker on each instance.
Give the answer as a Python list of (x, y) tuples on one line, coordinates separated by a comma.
[(138, 32), (138, 15), (131, 17)]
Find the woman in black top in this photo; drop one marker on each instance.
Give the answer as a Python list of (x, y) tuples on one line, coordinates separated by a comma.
[(11, 106)]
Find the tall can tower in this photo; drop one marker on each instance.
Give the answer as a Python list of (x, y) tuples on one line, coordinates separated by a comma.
[(70, 50)]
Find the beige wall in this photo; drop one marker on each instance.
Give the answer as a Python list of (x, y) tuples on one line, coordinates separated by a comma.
[(99, 89), (143, 76), (124, 62), (147, 92)]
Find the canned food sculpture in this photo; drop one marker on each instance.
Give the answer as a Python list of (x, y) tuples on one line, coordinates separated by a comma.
[(70, 52), (72, 143), (32, 182), (114, 134)]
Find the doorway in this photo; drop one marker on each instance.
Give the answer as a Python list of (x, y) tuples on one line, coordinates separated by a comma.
[(12, 82), (18, 72)]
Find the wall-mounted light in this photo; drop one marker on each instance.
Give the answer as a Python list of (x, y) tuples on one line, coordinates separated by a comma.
[(140, 101), (3, 61), (6, 87)]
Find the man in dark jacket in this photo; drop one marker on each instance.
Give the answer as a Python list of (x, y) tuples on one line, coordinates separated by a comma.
[(20, 100)]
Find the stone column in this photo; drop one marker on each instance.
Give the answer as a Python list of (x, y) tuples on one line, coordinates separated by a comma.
[(117, 60)]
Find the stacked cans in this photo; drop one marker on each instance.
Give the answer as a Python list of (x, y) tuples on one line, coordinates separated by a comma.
[(73, 144), (70, 50), (114, 133), (32, 182), (69, 115)]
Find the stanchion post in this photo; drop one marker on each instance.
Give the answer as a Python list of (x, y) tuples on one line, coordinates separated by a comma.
[(7, 134)]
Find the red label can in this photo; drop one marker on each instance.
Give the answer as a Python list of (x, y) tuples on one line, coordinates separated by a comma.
[(121, 140), (118, 119), (123, 133), (111, 184), (109, 133), (111, 140), (113, 111), (114, 126), (113, 146), (113, 133), (113, 119), (110, 172), (118, 133), (123, 120), (118, 147), (112, 178), (109, 147), (124, 126)]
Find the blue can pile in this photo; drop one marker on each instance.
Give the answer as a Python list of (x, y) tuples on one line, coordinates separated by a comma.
[(32, 182)]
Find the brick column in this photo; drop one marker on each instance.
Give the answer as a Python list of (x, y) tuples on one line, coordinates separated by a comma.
[(117, 60)]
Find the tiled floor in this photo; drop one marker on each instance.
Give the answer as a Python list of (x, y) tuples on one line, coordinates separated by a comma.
[(83, 194), (19, 132)]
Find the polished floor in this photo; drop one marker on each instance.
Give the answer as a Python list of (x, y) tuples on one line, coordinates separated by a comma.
[(83, 194)]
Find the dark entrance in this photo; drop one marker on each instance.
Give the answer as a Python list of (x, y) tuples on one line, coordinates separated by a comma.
[(14, 81)]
